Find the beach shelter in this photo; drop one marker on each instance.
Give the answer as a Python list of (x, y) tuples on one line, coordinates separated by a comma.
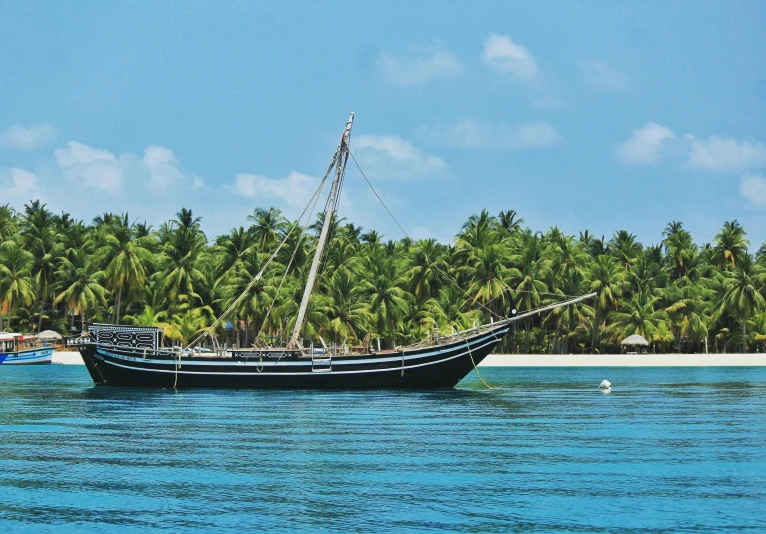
[(49, 335), (635, 341)]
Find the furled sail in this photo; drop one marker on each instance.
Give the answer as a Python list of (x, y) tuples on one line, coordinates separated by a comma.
[(339, 158)]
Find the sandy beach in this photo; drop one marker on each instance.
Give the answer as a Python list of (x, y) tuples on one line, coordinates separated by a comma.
[(575, 360), (624, 360)]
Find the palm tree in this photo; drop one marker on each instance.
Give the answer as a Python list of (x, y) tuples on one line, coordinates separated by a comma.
[(40, 239), (567, 256), (186, 327), (344, 307), (689, 311), (125, 260), (255, 306), (16, 285), (570, 320), (372, 238), (757, 328), (386, 301), (425, 269), (743, 292), (269, 227), (80, 286), (8, 226), (606, 281), (731, 245), (480, 231), (451, 308), (647, 275), (663, 336), (487, 276), (625, 248), (510, 223), (679, 248), (182, 260), (150, 316), (636, 316), (531, 267), (232, 249)]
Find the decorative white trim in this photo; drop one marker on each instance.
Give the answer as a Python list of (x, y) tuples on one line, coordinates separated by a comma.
[(310, 373), (279, 363)]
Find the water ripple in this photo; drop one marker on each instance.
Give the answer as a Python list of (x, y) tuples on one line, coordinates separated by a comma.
[(668, 449)]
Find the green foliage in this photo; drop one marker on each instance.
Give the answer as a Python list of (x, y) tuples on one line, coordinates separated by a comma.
[(678, 295)]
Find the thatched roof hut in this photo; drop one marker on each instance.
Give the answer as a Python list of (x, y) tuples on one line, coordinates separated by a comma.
[(49, 335), (634, 340)]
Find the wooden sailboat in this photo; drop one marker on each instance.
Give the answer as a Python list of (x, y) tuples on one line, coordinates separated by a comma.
[(133, 356)]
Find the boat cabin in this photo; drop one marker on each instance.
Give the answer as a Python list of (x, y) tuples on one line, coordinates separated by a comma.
[(13, 342), (8, 341)]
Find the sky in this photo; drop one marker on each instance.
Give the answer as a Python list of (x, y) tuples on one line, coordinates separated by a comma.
[(581, 115)]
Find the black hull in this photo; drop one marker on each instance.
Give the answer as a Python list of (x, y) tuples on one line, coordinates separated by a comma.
[(439, 366)]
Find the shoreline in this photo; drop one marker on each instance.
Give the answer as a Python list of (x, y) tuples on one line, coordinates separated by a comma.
[(575, 360), (625, 360)]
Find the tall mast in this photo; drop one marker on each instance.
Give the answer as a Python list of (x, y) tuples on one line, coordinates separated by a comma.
[(339, 158)]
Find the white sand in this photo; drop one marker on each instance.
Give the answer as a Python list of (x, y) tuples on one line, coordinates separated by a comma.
[(576, 360), (624, 360), (67, 358)]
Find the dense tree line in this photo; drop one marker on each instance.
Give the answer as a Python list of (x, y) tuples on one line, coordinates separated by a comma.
[(678, 295)]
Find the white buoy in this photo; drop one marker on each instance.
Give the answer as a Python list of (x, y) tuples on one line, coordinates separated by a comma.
[(606, 384)]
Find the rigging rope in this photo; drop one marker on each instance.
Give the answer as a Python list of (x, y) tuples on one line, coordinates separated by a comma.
[(448, 277), (268, 262), (284, 277)]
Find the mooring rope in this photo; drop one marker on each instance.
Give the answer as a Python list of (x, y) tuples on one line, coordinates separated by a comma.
[(176, 364), (489, 386)]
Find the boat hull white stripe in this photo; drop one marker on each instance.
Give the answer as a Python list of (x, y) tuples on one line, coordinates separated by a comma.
[(305, 362), (264, 373)]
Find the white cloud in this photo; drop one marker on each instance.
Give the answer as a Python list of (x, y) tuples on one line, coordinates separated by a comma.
[(650, 144), (475, 134), (18, 185), (753, 188), (600, 75), (506, 57), (97, 168), (93, 167), (388, 156), (724, 154), (27, 138), (295, 190), (645, 145), (162, 167), (419, 65)]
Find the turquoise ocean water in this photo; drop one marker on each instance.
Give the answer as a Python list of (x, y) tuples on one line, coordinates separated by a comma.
[(669, 449)]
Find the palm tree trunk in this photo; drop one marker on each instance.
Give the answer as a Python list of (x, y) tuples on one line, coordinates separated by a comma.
[(119, 298), (593, 332), (71, 323), (1, 320), (526, 337), (513, 345), (42, 305), (555, 347), (744, 336)]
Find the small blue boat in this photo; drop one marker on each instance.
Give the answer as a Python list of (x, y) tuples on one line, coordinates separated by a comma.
[(19, 349)]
